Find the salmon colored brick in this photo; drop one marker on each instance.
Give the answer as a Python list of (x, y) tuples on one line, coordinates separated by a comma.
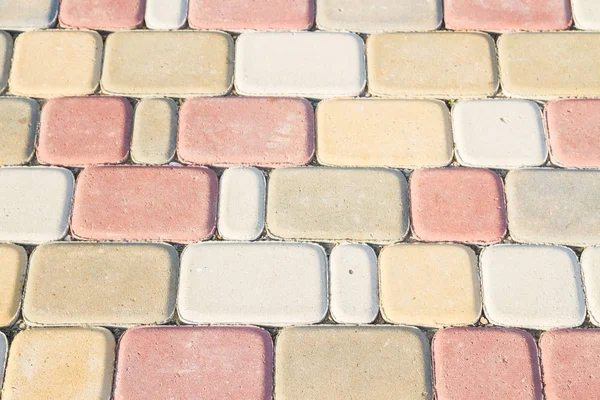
[(79, 131), (265, 132), (457, 205), (105, 15), (172, 204)]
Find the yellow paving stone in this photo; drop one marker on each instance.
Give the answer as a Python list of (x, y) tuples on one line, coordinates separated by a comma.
[(13, 263), (18, 128), (6, 51), (154, 131)]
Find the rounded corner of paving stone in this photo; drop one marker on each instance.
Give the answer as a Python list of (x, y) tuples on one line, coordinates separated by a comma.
[(13, 266)]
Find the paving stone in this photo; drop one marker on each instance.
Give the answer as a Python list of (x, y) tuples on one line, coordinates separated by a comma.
[(60, 364), (590, 266), (13, 264), (571, 361), (105, 15), (154, 131), (507, 15), (457, 205), (379, 15), (17, 15), (18, 128), (263, 283), (586, 14), (431, 285), (533, 65), (80, 131), (306, 64), (56, 63), (6, 52), (173, 204), (36, 202), (486, 363), (110, 284), (337, 204), (574, 132), (499, 133), (242, 193), (353, 281), (535, 287), (194, 362), (166, 14), (3, 355), (261, 15), (362, 362), (397, 133), (554, 206), (266, 132), (177, 64), (433, 64)]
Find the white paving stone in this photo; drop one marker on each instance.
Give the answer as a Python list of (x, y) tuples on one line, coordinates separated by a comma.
[(586, 14), (590, 265), (353, 284), (262, 283), (499, 133), (22, 15), (535, 287), (166, 14), (3, 355)]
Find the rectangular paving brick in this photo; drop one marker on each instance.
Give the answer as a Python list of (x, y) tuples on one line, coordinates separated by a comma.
[(166, 14), (3, 355), (233, 363), (434, 64), (18, 129), (590, 267), (173, 204), (395, 133), (266, 132), (105, 15), (339, 363), (154, 131), (178, 64), (13, 264), (307, 64), (19, 15), (110, 284), (586, 14), (337, 204), (6, 52), (264, 283), (547, 65)]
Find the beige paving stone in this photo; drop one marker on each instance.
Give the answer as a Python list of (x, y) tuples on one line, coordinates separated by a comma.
[(154, 131), (6, 51), (352, 362), (13, 263), (432, 64), (56, 63), (394, 133), (174, 63), (547, 65), (60, 364), (18, 128), (332, 204)]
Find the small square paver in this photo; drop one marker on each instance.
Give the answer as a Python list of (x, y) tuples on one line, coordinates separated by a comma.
[(586, 14), (19, 15), (485, 364), (13, 264), (18, 129), (154, 131), (166, 14), (590, 267), (104, 15)]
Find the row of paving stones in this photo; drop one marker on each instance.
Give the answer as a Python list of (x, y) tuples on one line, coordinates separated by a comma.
[(307, 64), (305, 362)]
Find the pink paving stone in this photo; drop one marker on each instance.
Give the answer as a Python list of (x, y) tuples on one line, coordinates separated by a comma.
[(234, 363), (485, 364), (457, 205), (237, 15), (571, 364), (106, 15), (266, 132), (172, 204), (574, 132), (78, 131), (507, 15)]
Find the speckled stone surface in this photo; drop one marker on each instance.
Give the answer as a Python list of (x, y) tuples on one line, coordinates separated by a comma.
[(18, 129), (18, 15), (590, 267), (104, 15), (154, 131), (13, 264)]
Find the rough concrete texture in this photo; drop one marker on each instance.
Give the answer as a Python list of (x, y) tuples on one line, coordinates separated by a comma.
[(13, 264), (154, 131), (18, 129)]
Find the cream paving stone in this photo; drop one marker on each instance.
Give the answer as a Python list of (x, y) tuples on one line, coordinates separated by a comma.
[(348, 362), (166, 14), (176, 63), (499, 133), (307, 64), (535, 287), (379, 15), (3, 355), (262, 283), (242, 193), (353, 284), (60, 364), (35, 203), (13, 264), (18, 128), (590, 266), (432, 64), (553, 206), (56, 63), (548, 65), (154, 131), (377, 133), (6, 52), (433, 285), (586, 14), (22, 15), (338, 204), (109, 284)]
